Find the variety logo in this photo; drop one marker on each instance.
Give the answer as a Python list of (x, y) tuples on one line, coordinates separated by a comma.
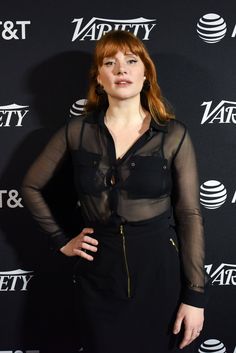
[(223, 113), (10, 198), (224, 275), (213, 194), (96, 27), (12, 115), (14, 30), (17, 280), (78, 108), (212, 28)]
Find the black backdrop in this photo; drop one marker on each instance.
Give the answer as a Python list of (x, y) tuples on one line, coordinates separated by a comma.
[(45, 54)]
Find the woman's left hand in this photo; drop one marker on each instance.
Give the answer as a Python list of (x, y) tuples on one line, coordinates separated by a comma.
[(192, 318)]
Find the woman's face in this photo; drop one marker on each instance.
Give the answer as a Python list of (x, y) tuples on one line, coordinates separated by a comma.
[(122, 75)]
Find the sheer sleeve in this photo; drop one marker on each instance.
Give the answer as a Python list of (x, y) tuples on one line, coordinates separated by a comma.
[(39, 174), (189, 222)]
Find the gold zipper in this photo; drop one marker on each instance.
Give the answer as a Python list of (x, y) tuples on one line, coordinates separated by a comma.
[(173, 243), (126, 262)]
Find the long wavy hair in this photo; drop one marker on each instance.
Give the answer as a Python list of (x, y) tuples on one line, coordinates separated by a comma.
[(151, 97)]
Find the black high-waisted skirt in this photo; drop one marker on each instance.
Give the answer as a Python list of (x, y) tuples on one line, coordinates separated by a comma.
[(127, 297)]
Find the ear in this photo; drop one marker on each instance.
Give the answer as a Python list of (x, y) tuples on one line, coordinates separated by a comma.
[(98, 80)]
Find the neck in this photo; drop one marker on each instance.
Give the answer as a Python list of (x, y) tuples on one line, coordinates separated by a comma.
[(125, 112)]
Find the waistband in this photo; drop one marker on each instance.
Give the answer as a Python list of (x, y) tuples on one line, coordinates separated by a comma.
[(153, 224)]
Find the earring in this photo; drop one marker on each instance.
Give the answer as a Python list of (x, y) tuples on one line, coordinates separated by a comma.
[(146, 85), (99, 90)]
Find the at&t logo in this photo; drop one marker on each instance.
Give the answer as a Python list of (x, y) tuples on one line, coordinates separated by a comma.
[(77, 108), (12, 115), (214, 346), (17, 280), (223, 113), (212, 28), (14, 30), (213, 194), (10, 199), (96, 27)]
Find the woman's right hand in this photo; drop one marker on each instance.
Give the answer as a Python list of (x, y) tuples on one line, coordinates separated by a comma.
[(79, 244)]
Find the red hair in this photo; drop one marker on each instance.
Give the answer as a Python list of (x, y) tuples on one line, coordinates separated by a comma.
[(109, 45)]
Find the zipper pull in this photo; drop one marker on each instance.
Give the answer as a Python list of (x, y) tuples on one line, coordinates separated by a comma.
[(173, 243)]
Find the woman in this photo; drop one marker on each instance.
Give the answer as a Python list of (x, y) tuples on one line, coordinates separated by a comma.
[(135, 172)]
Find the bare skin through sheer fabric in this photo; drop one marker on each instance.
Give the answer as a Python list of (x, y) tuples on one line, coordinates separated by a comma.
[(158, 173)]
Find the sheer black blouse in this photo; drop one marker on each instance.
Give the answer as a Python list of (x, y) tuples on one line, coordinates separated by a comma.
[(157, 173)]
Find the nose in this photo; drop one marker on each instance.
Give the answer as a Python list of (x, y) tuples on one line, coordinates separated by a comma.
[(121, 69)]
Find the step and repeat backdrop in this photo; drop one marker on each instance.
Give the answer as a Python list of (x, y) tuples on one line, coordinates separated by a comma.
[(45, 55)]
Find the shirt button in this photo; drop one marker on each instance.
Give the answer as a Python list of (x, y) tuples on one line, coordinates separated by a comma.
[(113, 181), (132, 164), (95, 162), (164, 166)]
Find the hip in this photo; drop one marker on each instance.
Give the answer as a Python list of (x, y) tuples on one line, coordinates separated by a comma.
[(132, 258)]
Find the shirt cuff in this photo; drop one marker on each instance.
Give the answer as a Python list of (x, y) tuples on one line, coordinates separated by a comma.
[(194, 298), (57, 241)]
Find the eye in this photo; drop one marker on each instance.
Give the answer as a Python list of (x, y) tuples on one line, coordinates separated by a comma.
[(132, 61), (109, 63)]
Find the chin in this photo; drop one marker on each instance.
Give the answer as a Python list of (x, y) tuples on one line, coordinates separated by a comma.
[(123, 96)]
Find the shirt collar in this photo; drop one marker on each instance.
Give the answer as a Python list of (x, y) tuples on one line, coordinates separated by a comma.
[(159, 126), (98, 117)]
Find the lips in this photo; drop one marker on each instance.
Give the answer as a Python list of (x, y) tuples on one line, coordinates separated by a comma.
[(123, 82)]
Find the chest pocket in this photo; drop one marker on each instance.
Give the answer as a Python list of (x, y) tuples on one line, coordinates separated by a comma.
[(149, 177), (88, 178)]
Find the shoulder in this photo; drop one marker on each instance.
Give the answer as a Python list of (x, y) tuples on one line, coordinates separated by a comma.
[(176, 136), (176, 130), (75, 123), (88, 118), (78, 120), (176, 126), (75, 126)]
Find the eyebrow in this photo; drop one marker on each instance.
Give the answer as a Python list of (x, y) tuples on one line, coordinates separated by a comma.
[(113, 56), (130, 53)]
